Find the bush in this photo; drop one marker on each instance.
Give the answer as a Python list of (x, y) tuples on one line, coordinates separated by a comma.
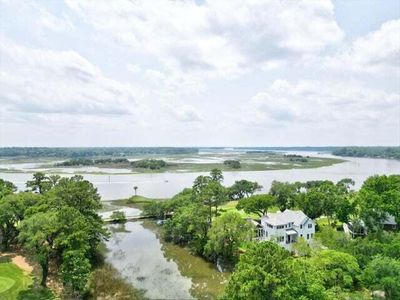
[(118, 217)]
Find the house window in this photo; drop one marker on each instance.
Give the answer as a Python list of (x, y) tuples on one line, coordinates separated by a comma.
[(308, 236), (280, 226), (301, 235), (309, 225), (301, 226)]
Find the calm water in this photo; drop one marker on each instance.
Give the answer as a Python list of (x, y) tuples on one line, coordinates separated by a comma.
[(165, 185), (162, 270)]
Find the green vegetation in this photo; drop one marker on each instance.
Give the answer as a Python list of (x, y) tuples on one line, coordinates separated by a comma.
[(93, 162), (378, 152), (13, 280), (235, 164), (296, 158), (106, 283), (59, 226), (335, 267), (118, 217), (257, 204), (225, 236), (18, 284), (152, 164), (91, 151)]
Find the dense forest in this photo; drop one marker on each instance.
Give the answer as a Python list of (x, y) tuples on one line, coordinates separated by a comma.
[(55, 222), (378, 152), (91, 151), (334, 266)]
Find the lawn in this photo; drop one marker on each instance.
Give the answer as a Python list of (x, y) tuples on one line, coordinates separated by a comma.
[(13, 280), (135, 201), (18, 284)]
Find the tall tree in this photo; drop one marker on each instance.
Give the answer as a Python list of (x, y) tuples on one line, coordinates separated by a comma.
[(6, 188), (12, 211), (225, 236), (383, 273), (379, 197), (243, 188), (258, 204), (39, 184), (285, 194), (261, 270), (189, 225), (38, 235), (216, 175)]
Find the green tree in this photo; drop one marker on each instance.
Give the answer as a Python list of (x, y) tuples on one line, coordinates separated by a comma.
[(243, 188), (200, 183), (311, 203), (39, 184), (213, 195), (301, 247), (378, 198), (383, 273), (258, 204), (80, 194), (189, 225), (225, 236), (75, 270), (6, 188), (261, 270), (285, 194), (303, 281), (339, 269), (216, 175), (118, 217), (12, 211), (38, 235)]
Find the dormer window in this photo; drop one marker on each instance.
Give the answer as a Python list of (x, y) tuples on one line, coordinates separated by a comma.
[(301, 226)]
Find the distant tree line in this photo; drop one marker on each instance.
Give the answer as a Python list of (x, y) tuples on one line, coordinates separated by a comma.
[(91, 152), (92, 162), (378, 152), (152, 164)]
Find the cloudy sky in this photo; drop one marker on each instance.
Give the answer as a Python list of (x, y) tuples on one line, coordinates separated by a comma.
[(199, 73)]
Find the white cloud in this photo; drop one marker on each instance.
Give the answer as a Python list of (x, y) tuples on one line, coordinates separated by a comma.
[(221, 37), (45, 81), (316, 104), (186, 113), (378, 51)]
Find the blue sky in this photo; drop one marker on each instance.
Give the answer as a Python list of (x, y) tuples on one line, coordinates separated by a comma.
[(199, 73)]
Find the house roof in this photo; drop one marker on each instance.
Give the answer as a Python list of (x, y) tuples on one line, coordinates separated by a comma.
[(288, 216), (390, 220)]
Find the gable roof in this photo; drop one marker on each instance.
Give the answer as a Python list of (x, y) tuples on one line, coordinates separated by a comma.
[(288, 216)]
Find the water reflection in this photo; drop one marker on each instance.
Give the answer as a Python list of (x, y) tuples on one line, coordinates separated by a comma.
[(136, 252)]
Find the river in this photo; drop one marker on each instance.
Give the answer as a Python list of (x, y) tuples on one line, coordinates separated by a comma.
[(163, 270), (165, 185)]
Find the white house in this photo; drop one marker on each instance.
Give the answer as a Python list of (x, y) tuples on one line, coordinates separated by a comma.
[(286, 227)]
